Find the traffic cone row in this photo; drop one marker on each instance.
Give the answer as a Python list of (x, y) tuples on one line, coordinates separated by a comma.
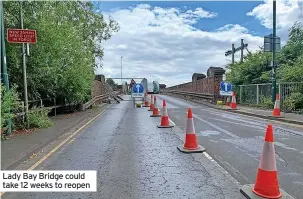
[(190, 144), (227, 101), (164, 117), (155, 109), (276, 112), (267, 183), (146, 103), (233, 104), (151, 107)]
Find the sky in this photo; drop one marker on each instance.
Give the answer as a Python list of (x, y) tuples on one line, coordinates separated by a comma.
[(168, 41)]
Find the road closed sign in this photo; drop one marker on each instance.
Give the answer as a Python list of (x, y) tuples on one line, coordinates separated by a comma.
[(21, 36)]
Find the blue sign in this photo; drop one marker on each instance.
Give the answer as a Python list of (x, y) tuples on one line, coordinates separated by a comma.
[(138, 90), (226, 88)]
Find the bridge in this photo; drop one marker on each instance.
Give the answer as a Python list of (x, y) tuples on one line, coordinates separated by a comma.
[(136, 159)]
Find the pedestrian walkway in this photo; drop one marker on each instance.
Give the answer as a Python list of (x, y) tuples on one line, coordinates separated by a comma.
[(257, 112), (21, 147)]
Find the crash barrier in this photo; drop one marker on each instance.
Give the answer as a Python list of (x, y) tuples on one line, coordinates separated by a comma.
[(96, 99)]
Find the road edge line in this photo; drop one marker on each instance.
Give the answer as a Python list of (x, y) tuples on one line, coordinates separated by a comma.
[(64, 141), (233, 179)]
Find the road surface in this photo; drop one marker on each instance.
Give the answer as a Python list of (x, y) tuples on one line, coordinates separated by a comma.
[(235, 142), (135, 159)]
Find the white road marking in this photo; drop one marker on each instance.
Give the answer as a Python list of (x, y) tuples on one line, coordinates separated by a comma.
[(171, 122)]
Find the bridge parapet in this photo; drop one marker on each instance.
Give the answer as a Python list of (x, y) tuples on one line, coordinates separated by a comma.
[(208, 85)]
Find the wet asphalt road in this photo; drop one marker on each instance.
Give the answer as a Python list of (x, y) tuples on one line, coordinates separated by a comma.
[(236, 141), (135, 159)]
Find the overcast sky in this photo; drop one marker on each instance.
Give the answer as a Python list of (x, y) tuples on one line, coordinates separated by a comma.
[(169, 41)]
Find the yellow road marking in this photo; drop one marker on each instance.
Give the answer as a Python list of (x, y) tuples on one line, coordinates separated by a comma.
[(61, 144)]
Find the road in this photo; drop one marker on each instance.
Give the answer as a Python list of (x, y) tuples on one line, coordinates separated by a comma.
[(235, 142), (135, 159)]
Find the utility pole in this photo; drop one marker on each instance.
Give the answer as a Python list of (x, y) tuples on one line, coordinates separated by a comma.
[(234, 50), (121, 70), (24, 70), (4, 74), (242, 49), (274, 66), (233, 53)]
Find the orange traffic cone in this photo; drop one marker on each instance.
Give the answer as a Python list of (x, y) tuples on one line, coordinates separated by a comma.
[(276, 111), (155, 110), (233, 104), (227, 101), (190, 144), (267, 184), (146, 104), (151, 107), (164, 118)]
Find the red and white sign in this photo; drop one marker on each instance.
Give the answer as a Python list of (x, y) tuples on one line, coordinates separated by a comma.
[(21, 36)]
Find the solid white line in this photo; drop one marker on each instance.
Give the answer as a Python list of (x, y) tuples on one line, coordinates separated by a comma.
[(171, 122), (223, 170)]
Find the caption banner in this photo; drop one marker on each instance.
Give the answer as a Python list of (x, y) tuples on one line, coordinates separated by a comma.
[(45, 181)]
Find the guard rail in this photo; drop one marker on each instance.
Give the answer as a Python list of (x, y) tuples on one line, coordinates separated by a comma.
[(207, 96), (97, 98)]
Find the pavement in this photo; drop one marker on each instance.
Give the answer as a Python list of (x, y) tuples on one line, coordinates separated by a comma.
[(235, 141), (22, 147), (135, 159)]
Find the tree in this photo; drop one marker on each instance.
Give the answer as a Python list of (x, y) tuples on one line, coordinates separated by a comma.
[(62, 63), (256, 67), (112, 83)]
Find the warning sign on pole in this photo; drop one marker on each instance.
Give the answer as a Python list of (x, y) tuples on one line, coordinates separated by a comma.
[(21, 36)]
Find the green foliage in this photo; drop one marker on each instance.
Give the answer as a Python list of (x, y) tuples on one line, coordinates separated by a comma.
[(39, 119), (9, 104), (266, 102), (62, 63), (293, 102), (256, 67), (112, 83)]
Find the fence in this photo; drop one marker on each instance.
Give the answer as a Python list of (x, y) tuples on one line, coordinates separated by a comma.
[(261, 93)]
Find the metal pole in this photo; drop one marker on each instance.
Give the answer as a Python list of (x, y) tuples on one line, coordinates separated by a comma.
[(3, 64), (242, 49), (233, 53), (24, 71), (121, 69), (274, 53)]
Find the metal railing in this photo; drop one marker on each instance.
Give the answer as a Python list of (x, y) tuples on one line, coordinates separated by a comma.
[(259, 93)]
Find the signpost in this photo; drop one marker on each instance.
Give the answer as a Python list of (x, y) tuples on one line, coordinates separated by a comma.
[(21, 36), (225, 89), (138, 91)]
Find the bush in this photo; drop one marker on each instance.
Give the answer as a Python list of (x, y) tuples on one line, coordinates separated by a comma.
[(266, 102), (39, 119), (9, 104), (294, 102)]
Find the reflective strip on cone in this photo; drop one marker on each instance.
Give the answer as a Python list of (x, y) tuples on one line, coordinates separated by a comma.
[(268, 160), (190, 129)]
